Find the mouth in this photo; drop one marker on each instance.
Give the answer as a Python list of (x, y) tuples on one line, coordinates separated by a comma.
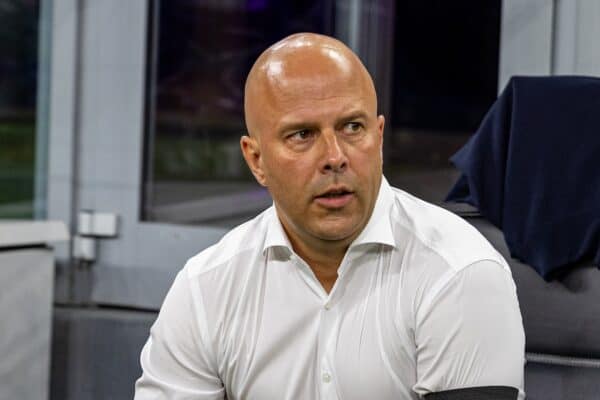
[(336, 197)]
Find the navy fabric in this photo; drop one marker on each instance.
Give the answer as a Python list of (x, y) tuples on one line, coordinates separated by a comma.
[(533, 169)]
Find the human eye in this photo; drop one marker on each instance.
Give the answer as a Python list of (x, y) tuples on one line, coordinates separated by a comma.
[(353, 128), (302, 135)]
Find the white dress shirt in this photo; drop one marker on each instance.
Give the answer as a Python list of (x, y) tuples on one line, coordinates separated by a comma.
[(422, 303)]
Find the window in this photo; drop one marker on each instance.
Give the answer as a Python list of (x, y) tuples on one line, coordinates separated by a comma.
[(18, 91), (202, 52), (443, 79)]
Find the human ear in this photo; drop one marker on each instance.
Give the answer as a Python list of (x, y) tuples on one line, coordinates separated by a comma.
[(251, 152), (380, 127)]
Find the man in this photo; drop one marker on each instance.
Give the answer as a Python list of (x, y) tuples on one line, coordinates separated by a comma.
[(346, 288)]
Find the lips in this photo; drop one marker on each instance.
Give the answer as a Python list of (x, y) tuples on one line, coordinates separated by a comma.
[(335, 197)]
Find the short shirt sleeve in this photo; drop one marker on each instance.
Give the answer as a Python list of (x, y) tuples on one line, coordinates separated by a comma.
[(470, 333), (176, 360)]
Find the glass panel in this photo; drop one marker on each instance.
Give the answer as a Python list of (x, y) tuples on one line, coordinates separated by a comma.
[(443, 79), (195, 172), (18, 88)]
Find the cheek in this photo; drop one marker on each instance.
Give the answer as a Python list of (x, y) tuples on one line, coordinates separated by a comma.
[(282, 166), (368, 159), (287, 178)]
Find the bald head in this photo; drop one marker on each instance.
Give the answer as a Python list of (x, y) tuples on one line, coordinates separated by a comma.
[(309, 63), (315, 140)]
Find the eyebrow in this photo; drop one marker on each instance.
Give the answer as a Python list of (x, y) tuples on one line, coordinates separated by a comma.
[(295, 126), (358, 114), (298, 125)]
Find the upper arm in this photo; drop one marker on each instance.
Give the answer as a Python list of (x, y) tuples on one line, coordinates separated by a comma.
[(176, 360), (470, 333)]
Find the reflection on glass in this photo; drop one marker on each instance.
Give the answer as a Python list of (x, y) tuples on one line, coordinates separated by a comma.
[(18, 87), (203, 51)]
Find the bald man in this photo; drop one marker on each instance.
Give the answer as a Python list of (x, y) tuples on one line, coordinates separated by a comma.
[(346, 288)]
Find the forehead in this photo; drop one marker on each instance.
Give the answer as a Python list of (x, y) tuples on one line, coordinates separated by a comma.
[(314, 100), (300, 89), (307, 83), (317, 70)]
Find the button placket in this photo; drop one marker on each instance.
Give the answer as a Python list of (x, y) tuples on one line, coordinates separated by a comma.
[(328, 331), (328, 388), (327, 340)]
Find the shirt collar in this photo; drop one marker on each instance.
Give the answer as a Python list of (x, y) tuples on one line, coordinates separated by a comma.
[(379, 227), (276, 236), (377, 230)]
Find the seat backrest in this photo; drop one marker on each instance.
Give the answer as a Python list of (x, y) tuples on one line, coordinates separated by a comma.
[(561, 321)]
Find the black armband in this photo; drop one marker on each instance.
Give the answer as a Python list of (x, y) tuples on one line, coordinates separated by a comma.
[(476, 393)]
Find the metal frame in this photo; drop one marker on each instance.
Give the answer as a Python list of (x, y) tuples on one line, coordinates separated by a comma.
[(97, 133), (549, 37), (525, 39)]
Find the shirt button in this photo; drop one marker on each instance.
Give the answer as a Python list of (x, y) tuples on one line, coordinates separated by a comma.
[(327, 306), (326, 377)]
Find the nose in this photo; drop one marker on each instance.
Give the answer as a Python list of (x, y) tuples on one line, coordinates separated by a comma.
[(335, 159)]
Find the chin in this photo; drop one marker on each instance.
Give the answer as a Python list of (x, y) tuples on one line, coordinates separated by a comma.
[(336, 233)]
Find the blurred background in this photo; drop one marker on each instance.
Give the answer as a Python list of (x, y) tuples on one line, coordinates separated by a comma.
[(121, 121)]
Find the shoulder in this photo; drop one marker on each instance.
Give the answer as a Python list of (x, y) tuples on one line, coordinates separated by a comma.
[(239, 242), (437, 250), (469, 332), (440, 232)]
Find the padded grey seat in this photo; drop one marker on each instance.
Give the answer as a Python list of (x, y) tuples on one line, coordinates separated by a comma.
[(561, 321)]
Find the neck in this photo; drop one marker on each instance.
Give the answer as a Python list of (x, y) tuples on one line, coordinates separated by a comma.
[(329, 256), (322, 256), (323, 262)]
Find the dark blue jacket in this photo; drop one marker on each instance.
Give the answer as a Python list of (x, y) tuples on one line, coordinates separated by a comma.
[(533, 170)]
